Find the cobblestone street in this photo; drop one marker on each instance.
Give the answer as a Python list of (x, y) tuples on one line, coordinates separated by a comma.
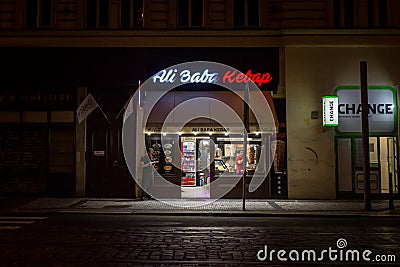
[(123, 240)]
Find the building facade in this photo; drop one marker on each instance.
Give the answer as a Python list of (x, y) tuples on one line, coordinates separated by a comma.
[(58, 51)]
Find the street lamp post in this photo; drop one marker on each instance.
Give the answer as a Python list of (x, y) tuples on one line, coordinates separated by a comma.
[(365, 135), (245, 132)]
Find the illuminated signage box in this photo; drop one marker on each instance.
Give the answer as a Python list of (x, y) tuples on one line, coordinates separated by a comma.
[(330, 111), (382, 109)]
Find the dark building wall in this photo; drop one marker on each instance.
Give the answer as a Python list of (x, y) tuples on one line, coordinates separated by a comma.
[(40, 82), (23, 159), (36, 139), (216, 14), (68, 27)]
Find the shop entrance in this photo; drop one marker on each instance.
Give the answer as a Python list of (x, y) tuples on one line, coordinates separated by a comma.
[(384, 165), (196, 166), (106, 172), (194, 162), (200, 168)]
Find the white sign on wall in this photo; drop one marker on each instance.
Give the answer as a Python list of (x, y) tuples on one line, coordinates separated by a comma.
[(88, 105), (330, 116), (382, 111)]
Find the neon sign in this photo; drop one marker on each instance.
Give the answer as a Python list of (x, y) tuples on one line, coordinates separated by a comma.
[(258, 78), (207, 76)]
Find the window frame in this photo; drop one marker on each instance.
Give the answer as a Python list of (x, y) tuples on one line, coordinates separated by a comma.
[(97, 17), (132, 17), (246, 15), (378, 14), (339, 19), (382, 21), (39, 15), (190, 12)]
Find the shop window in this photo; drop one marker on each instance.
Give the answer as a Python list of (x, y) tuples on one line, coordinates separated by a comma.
[(97, 13), (38, 13), (131, 14), (230, 151), (246, 13), (189, 13), (343, 13)]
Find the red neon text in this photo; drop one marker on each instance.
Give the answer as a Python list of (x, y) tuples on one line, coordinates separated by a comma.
[(258, 78)]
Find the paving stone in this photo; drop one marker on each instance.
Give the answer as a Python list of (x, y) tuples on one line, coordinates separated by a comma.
[(218, 205), (172, 244)]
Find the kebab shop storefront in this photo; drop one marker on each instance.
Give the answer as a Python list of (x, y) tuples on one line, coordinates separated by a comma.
[(383, 140), (196, 130)]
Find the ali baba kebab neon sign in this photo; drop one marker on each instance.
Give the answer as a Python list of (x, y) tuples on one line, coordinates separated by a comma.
[(205, 76)]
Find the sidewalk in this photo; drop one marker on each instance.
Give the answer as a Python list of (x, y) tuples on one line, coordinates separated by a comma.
[(221, 207)]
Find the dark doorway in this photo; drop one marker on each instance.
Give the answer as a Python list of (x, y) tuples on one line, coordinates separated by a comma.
[(106, 171)]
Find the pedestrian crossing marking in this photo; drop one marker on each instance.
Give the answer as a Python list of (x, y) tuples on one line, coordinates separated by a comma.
[(16, 222), (9, 227), (21, 218)]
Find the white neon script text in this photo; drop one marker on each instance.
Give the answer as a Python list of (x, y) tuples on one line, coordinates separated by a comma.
[(205, 76), (169, 76)]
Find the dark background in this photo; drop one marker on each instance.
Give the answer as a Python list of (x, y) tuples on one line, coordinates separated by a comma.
[(121, 66)]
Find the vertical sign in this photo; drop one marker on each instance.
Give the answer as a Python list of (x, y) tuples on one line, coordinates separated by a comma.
[(330, 111)]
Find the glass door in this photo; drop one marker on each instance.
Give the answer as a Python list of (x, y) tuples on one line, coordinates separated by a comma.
[(393, 163), (188, 146), (388, 159), (344, 165), (196, 157), (383, 165), (203, 161), (374, 161)]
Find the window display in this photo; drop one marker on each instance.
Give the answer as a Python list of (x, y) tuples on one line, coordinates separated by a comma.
[(231, 155), (195, 161), (188, 161)]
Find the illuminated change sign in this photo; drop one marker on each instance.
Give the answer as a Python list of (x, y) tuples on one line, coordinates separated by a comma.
[(382, 109), (330, 111)]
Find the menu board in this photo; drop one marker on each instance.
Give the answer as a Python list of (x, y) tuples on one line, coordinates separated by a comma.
[(168, 145), (157, 153)]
